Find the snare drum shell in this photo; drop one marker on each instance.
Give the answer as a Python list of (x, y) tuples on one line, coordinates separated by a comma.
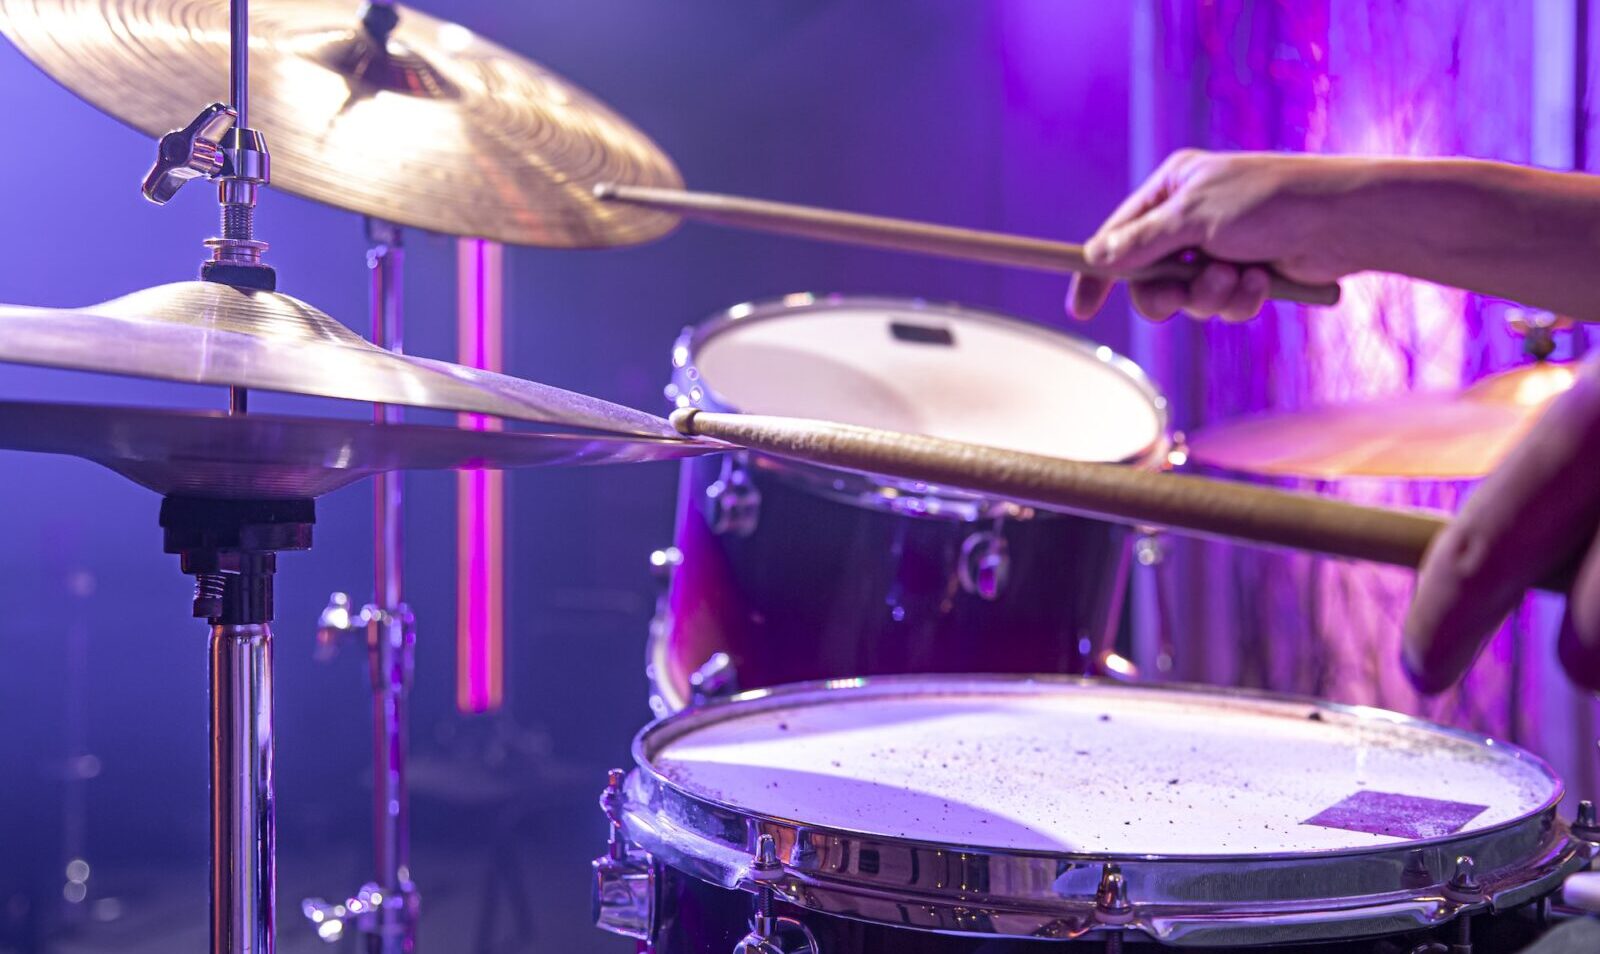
[(698, 918), (823, 589)]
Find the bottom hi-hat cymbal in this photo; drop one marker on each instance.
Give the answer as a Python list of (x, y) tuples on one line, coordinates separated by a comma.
[(210, 333), (264, 456), (1458, 435)]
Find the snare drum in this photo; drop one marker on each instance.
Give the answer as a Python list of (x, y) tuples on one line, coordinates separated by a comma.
[(782, 572), (870, 815)]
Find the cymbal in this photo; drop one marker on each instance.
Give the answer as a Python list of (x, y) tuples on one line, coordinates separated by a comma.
[(1455, 435), (266, 456), (442, 129), (210, 333)]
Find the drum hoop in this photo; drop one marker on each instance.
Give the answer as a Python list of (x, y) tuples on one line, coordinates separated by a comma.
[(682, 722), (690, 388), (1291, 896)]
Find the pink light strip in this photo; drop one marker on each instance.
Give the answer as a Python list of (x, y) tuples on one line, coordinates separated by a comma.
[(480, 494)]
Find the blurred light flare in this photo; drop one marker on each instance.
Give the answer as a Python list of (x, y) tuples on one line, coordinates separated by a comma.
[(480, 494)]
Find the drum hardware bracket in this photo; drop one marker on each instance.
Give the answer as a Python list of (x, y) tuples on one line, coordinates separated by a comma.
[(770, 934), (985, 564), (624, 883), (219, 145), (230, 548), (733, 502), (715, 677), (1584, 825), (387, 914), (215, 147)]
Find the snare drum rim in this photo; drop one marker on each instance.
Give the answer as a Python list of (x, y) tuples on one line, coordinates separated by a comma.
[(678, 724), (997, 892), (690, 388)]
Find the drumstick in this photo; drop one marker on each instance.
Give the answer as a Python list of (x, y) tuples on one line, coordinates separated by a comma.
[(1196, 505), (904, 235)]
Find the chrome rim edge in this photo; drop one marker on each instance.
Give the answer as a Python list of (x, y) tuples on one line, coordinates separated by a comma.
[(1196, 900), (885, 492)]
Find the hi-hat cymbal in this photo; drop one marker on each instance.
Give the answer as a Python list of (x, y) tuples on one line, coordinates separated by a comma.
[(442, 129), (1457, 435), (210, 333), (267, 456)]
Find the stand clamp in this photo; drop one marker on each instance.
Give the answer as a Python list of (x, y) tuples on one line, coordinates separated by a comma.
[(215, 147), (230, 547)]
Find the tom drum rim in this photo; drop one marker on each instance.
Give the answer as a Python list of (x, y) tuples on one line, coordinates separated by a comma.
[(690, 387)]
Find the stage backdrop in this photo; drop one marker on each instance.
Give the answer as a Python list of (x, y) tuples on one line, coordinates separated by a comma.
[(1503, 79)]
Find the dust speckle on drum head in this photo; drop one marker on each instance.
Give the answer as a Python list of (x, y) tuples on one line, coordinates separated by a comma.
[(1102, 769)]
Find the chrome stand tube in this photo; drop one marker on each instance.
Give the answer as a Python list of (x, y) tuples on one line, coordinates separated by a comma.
[(242, 882), (390, 634), (383, 913), (230, 547)]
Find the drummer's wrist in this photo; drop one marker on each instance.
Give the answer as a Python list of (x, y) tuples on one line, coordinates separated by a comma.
[(1426, 217)]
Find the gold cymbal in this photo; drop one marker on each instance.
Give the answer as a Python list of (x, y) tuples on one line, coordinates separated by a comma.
[(446, 131), (210, 333), (268, 456), (1455, 435)]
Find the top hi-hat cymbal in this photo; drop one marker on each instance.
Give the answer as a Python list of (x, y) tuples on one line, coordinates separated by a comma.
[(438, 129), (210, 333), (1457, 435)]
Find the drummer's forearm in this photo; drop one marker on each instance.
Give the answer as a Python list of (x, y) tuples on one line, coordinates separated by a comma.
[(1528, 235)]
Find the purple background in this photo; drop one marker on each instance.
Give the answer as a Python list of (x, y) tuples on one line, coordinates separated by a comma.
[(1027, 115)]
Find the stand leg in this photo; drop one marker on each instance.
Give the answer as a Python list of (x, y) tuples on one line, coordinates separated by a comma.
[(242, 881)]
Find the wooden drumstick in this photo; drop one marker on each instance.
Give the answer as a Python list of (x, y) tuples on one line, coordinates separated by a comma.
[(904, 235), (1196, 505)]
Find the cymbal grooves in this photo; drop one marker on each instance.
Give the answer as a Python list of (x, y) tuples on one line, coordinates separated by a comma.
[(453, 134)]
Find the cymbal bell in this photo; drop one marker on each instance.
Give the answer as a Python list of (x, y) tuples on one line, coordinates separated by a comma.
[(210, 333), (1457, 435), (438, 128), (266, 456)]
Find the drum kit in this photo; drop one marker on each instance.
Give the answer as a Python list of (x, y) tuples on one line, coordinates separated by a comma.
[(912, 749)]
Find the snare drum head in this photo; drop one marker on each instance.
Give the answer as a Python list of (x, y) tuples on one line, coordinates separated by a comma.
[(942, 371), (1097, 769)]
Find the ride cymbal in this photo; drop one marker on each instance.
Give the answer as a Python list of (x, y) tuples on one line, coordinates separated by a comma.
[(436, 128), (210, 333), (1457, 435), (268, 456)]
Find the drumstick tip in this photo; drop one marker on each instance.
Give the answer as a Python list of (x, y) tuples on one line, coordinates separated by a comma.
[(683, 420), (604, 190)]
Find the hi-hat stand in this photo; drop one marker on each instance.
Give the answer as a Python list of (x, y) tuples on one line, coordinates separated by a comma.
[(231, 546)]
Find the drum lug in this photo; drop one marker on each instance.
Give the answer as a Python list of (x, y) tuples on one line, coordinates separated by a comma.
[(663, 563), (733, 503), (770, 934), (985, 564), (715, 677), (1584, 826), (1464, 887), (624, 883)]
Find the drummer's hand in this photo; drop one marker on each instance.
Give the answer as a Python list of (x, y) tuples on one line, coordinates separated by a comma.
[(1265, 208), (1537, 512)]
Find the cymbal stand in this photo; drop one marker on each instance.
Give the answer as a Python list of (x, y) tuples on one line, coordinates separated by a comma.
[(383, 912), (230, 547)]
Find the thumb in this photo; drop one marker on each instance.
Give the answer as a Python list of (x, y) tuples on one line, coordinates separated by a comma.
[(1144, 241)]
